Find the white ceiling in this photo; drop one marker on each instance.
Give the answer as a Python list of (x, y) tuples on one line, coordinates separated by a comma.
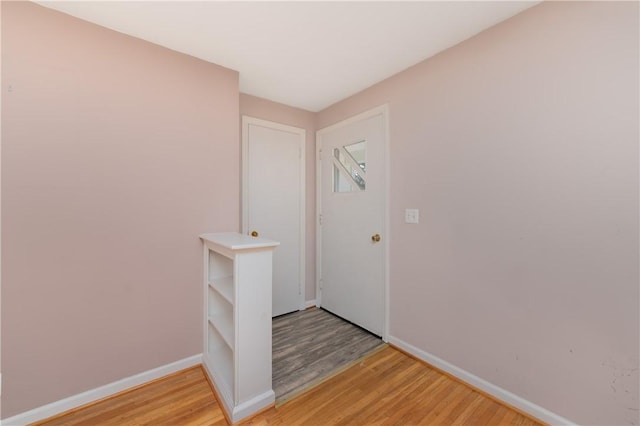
[(305, 54)]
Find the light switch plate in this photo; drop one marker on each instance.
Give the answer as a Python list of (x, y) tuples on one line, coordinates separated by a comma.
[(411, 215)]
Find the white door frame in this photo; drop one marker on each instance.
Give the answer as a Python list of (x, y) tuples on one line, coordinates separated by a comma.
[(246, 121), (384, 110)]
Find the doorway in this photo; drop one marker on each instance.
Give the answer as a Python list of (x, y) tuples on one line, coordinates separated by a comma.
[(273, 202), (352, 237)]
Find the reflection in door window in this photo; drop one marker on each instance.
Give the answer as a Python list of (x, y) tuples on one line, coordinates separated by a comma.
[(341, 183), (358, 152), (349, 168)]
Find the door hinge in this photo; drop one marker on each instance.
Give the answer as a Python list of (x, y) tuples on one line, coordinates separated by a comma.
[(320, 218), (319, 154)]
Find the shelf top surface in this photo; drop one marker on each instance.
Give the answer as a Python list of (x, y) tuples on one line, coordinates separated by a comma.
[(237, 241)]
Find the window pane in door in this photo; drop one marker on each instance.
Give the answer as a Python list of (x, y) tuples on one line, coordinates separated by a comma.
[(358, 152), (341, 182), (351, 169)]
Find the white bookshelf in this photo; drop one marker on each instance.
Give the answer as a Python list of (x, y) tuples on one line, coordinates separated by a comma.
[(237, 334), (224, 287)]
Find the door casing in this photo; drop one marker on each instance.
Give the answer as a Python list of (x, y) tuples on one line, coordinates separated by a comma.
[(384, 111)]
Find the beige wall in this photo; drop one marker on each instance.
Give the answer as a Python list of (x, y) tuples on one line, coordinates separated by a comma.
[(520, 148), (116, 154), (267, 110)]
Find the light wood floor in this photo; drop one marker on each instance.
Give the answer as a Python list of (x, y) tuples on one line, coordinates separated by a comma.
[(387, 388)]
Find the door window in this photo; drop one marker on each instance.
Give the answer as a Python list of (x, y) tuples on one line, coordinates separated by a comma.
[(349, 167)]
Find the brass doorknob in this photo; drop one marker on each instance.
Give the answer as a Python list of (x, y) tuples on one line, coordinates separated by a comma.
[(254, 233), (375, 238)]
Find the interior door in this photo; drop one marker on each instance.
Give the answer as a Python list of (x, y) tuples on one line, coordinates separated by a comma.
[(273, 203), (352, 240)]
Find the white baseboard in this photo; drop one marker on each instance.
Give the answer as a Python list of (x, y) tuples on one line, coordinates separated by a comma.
[(475, 381), (310, 303), (244, 409), (92, 395), (252, 406)]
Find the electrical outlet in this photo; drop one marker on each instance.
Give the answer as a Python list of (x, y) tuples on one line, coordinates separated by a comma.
[(411, 215)]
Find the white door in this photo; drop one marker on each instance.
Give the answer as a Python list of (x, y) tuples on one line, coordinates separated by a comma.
[(273, 202), (351, 236)]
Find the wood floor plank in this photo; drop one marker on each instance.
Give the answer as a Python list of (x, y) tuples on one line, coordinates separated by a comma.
[(387, 388), (174, 395), (398, 399), (428, 402), (443, 405), (93, 414), (309, 345)]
